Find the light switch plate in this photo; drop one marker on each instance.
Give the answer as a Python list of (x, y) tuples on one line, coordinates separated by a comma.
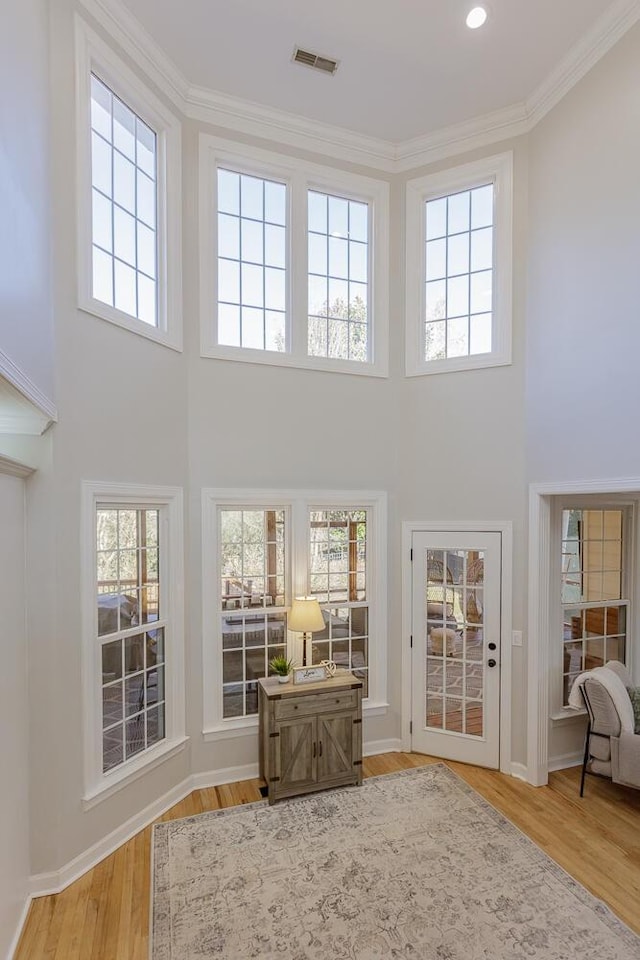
[(516, 638)]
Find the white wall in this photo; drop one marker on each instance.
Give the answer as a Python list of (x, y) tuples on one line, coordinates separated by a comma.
[(131, 410), (461, 446), (583, 335), (14, 713), (26, 330)]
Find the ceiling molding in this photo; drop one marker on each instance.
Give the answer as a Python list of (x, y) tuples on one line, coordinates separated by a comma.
[(253, 119), (584, 55), (32, 394), (462, 137), (135, 41), (13, 468), (245, 116)]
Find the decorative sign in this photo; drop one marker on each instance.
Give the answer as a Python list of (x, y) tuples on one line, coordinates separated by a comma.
[(309, 674)]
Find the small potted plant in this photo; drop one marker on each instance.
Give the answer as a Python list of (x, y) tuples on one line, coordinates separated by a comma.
[(281, 667)]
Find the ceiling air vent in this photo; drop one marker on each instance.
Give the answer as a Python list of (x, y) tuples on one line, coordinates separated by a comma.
[(314, 60)]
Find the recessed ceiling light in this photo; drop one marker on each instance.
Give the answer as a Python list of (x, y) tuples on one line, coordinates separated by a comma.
[(476, 17)]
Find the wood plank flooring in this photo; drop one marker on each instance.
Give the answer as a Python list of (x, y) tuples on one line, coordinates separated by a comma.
[(105, 914)]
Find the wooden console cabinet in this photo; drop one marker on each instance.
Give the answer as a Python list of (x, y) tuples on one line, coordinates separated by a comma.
[(310, 734)]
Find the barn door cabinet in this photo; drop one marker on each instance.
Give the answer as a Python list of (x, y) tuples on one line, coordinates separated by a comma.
[(310, 735)]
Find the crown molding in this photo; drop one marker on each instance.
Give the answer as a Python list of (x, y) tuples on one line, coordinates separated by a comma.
[(584, 55), (133, 39), (248, 117), (11, 372), (460, 138), (13, 468), (253, 119)]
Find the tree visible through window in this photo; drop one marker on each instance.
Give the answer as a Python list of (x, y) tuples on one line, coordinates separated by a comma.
[(131, 632), (338, 579), (253, 590)]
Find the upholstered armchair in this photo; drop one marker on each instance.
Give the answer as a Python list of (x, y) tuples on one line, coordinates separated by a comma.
[(612, 749)]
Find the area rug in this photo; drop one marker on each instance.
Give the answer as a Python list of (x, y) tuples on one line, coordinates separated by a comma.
[(409, 866)]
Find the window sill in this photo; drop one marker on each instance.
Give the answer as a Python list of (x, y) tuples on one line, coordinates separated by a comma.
[(457, 364), (248, 726), (131, 771), (276, 359), (566, 715), (166, 338)]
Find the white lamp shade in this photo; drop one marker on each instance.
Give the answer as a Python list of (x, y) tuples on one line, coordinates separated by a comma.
[(306, 615)]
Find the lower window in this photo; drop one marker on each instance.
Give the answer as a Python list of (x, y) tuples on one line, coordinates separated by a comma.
[(133, 621), (595, 591)]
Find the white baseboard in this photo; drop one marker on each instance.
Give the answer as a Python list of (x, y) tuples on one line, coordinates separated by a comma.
[(564, 761), (215, 778), (45, 884), (519, 771), (13, 946), (381, 746)]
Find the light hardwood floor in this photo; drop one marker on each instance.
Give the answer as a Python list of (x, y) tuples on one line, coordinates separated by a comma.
[(105, 914)]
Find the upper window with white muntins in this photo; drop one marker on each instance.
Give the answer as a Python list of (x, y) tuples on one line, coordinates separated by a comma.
[(124, 179), (459, 274), (129, 197), (459, 268), (300, 262), (338, 277), (252, 259)]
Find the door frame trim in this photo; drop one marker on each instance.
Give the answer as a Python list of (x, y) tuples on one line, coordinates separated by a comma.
[(505, 528)]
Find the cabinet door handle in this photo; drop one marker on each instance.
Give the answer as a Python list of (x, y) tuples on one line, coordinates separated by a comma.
[(320, 749), (314, 749)]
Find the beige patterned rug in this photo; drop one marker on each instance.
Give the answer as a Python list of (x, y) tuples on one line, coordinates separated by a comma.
[(409, 866)]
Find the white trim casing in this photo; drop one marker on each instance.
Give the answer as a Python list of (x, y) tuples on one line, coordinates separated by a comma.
[(255, 119), (25, 385), (540, 678), (297, 503), (93, 54), (499, 170), (168, 500), (505, 528), (299, 176)]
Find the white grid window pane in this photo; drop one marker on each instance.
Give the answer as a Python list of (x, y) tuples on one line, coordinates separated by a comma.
[(251, 262), (253, 570), (338, 579), (338, 277), (131, 631), (124, 199), (459, 257)]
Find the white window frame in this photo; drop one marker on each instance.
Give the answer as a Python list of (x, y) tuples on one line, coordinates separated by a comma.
[(168, 500), (93, 55), (297, 504), (299, 176), (557, 710), (499, 171)]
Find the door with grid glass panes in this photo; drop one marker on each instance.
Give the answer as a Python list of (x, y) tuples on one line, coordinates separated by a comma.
[(456, 581)]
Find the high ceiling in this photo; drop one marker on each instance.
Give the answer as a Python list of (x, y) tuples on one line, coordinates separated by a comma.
[(407, 67)]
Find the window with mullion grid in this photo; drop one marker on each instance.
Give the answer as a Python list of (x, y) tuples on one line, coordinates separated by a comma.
[(338, 307), (252, 261), (595, 602), (459, 273), (253, 565), (131, 631), (338, 545), (124, 207)]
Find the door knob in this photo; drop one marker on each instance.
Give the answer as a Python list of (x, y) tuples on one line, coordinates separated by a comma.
[(492, 646), (491, 663)]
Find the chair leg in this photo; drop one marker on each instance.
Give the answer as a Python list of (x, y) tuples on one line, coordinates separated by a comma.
[(586, 760)]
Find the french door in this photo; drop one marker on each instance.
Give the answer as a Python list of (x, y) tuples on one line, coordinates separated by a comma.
[(456, 583)]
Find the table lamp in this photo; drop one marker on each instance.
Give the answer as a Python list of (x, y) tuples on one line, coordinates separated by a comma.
[(305, 617)]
